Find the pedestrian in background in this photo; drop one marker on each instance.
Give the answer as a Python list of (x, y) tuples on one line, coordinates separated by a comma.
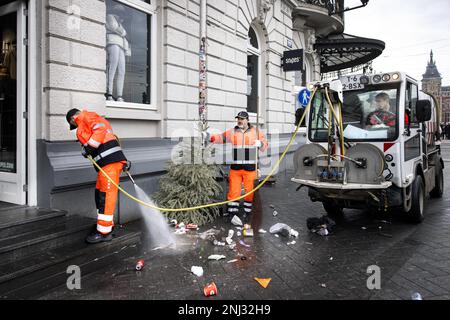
[(447, 130)]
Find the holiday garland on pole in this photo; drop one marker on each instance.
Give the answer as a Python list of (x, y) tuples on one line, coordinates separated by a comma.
[(202, 85), (190, 180)]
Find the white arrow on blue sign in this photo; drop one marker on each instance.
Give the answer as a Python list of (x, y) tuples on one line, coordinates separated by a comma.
[(303, 97)]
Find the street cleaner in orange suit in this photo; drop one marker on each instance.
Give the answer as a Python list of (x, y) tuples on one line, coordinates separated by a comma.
[(98, 141), (246, 141)]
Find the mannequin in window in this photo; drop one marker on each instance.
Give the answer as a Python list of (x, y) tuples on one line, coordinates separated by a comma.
[(117, 48)]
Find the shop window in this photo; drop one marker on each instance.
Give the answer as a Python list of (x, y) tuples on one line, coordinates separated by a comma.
[(8, 93), (129, 67)]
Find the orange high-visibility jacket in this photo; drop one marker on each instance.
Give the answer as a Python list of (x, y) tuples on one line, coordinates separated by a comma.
[(95, 131), (244, 150)]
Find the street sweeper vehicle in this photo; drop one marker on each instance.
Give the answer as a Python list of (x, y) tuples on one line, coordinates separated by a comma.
[(373, 142)]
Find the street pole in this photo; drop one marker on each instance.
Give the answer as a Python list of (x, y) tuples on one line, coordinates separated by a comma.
[(202, 112)]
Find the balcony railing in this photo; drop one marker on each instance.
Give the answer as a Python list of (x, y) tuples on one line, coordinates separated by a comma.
[(334, 5)]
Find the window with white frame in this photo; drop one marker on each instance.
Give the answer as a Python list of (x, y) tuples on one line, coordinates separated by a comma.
[(129, 60)]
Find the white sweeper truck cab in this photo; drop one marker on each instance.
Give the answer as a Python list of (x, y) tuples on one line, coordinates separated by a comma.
[(372, 142)]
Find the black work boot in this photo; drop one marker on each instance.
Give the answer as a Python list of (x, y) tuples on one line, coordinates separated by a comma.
[(97, 237), (113, 231)]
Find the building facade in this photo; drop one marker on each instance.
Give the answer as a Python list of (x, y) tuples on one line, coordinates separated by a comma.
[(445, 103), (137, 63), (432, 83)]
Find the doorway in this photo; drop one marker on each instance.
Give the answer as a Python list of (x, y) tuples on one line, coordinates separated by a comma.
[(12, 103)]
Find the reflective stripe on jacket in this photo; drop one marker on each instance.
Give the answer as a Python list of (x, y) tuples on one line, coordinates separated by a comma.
[(244, 150), (95, 131)]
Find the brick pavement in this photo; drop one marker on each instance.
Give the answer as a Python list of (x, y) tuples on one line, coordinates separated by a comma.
[(412, 258)]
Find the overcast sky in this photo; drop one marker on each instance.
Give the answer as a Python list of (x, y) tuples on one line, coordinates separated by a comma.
[(410, 30)]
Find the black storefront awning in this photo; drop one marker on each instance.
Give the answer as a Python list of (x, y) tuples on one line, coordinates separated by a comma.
[(344, 51)]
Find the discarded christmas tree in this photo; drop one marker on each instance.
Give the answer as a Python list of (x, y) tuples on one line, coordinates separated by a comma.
[(190, 182)]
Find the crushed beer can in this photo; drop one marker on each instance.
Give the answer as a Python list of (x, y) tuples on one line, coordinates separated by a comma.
[(180, 225), (210, 289), (140, 265)]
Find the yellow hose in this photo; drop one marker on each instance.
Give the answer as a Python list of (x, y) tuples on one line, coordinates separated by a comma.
[(342, 129), (338, 120), (216, 203), (330, 122)]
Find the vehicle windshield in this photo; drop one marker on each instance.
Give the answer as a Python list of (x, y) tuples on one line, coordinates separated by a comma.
[(369, 114)]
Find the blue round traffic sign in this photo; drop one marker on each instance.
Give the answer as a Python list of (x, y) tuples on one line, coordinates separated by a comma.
[(303, 97)]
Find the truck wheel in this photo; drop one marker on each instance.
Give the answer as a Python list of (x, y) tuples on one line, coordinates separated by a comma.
[(439, 185), (418, 200), (332, 209)]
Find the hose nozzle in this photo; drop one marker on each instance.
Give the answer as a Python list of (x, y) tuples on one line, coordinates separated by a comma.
[(129, 176)]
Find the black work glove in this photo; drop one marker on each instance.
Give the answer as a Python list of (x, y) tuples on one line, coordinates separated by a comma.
[(87, 151), (127, 166), (206, 138)]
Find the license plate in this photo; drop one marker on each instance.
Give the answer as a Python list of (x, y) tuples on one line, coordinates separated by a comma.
[(351, 83)]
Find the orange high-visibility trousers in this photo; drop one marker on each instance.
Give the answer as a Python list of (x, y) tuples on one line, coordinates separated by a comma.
[(106, 196), (236, 178)]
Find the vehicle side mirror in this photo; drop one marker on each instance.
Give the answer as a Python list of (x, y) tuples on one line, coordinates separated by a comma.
[(423, 110)]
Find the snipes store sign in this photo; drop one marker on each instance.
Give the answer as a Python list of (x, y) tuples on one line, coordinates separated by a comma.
[(292, 60)]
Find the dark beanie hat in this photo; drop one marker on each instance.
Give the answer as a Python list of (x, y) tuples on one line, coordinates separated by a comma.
[(69, 115)]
